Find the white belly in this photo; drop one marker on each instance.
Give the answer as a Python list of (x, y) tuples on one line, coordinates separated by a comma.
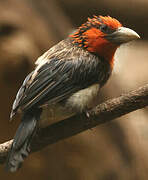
[(84, 98), (78, 102)]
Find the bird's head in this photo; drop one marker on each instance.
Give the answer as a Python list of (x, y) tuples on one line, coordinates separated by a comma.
[(102, 35)]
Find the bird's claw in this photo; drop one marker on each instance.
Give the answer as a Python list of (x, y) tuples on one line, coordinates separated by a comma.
[(87, 114)]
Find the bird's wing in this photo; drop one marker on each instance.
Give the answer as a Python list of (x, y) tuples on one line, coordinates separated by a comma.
[(53, 82)]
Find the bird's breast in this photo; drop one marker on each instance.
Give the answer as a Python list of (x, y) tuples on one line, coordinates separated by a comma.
[(83, 99)]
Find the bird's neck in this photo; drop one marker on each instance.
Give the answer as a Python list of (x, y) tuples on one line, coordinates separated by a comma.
[(105, 50), (94, 43), (101, 48)]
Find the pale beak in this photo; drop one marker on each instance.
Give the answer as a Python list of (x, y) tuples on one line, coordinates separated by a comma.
[(123, 35)]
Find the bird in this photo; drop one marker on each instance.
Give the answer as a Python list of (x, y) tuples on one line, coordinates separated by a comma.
[(66, 80)]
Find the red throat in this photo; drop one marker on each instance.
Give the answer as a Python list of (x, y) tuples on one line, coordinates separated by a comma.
[(96, 43)]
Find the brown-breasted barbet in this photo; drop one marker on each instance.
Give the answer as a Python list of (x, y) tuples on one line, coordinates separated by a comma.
[(66, 80)]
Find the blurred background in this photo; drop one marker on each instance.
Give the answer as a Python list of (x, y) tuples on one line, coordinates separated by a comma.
[(113, 151)]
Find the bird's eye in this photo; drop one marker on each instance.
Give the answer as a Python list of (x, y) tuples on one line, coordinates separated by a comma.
[(104, 28)]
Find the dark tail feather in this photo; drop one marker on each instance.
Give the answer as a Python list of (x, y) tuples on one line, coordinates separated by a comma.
[(21, 144)]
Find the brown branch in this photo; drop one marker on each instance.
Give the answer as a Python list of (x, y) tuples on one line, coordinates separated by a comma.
[(102, 113)]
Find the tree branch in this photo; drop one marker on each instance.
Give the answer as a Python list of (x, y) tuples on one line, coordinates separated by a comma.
[(102, 113)]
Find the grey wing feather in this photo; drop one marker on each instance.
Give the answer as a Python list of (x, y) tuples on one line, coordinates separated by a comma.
[(55, 81), (48, 84), (20, 95)]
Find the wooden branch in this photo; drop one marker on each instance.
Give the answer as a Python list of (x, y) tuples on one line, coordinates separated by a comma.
[(102, 113)]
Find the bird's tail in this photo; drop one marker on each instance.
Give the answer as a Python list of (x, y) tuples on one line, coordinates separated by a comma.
[(21, 145)]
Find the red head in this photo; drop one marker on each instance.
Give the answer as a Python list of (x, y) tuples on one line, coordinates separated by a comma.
[(102, 35)]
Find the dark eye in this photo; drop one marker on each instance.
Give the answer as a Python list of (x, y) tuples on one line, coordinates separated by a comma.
[(104, 28)]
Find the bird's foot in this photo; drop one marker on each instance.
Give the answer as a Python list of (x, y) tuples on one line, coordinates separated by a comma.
[(88, 119)]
